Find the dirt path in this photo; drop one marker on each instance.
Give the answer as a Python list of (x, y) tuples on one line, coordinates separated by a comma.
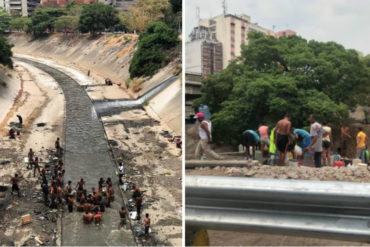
[(153, 164), (40, 96)]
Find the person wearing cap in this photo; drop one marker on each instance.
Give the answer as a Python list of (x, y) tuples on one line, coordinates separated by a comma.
[(205, 137)]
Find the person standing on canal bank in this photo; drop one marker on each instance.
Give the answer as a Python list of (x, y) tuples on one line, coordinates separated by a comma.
[(361, 145), (58, 147), (326, 144), (146, 226), (283, 138), (15, 186), (251, 139), (345, 138), (205, 138), (316, 133), (263, 130)]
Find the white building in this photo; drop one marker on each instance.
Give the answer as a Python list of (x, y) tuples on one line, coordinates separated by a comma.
[(20, 7), (232, 32)]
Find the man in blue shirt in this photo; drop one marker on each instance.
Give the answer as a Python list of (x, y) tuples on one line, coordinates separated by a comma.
[(303, 139), (251, 139)]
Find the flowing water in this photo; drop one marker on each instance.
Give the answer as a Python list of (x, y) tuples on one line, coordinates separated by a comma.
[(86, 155)]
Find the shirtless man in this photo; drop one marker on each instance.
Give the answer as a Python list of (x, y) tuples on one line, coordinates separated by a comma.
[(146, 226), (345, 138), (59, 195), (122, 215), (80, 188), (30, 159), (36, 166), (98, 217), (88, 217), (15, 186), (282, 137)]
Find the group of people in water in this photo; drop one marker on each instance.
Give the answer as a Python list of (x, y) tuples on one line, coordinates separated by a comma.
[(56, 193)]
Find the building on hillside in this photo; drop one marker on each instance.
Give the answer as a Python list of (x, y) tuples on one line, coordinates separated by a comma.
[(64, 3), (285, 33), (21, 7), (231, 31), (120, 4), (2, 4), (204, 54)]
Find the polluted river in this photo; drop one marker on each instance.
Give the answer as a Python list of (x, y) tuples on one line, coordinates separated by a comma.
[(99, 134)]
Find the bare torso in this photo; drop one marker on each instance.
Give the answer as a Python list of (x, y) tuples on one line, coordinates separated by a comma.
[(283, 127)]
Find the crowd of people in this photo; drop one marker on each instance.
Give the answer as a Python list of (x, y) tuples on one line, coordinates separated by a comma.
[(282, 139), (57, 193)]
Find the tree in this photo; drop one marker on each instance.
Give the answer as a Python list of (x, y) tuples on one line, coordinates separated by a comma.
[(4, 20), (97, 17), (145, 12), (153, 48), (5, 52), (176, 5), (43, 20), (20, 23), (286, 75), (67, 23)]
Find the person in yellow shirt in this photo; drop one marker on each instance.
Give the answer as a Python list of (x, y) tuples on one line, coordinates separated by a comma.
[(361, 144)]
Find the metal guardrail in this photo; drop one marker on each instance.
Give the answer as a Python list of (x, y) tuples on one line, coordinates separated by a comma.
[(334, 210)]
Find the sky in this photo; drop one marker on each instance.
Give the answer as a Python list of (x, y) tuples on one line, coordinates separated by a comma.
[(344, 21)]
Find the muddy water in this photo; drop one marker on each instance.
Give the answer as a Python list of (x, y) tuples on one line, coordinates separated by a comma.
[(86, 155)]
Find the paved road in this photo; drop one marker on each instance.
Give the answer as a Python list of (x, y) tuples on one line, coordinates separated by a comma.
[(86, 155)]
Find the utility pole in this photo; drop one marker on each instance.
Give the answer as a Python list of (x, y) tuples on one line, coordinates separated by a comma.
[(224, 6), (197, 12)]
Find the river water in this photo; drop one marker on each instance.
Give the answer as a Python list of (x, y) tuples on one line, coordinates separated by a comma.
[(86, 155)]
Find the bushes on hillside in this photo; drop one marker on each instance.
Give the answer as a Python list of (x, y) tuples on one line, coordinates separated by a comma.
[(4, 20), (5, 52), (153, 48)]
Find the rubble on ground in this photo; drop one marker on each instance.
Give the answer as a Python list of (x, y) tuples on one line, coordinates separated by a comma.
[(326, 173)]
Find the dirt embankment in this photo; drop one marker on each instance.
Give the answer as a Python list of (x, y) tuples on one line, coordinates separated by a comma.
[(106, 56), (39, 101)]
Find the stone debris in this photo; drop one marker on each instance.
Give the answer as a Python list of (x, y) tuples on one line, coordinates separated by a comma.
[(328, 173)]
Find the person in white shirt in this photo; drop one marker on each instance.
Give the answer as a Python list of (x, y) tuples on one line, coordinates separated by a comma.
[(316, 133), (205, 138), (121, 172)]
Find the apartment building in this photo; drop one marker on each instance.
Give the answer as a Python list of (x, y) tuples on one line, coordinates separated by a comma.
[(120, 4), (205, 54), (20, 7), (231, 31), (285, 33)]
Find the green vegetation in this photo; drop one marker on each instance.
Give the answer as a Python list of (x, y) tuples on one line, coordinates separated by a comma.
[(287, 75), (67, 23), (4, 20), (153, 50), (5, 52), (43, 20), (5, 47), (20, 24), (144, 12), (97, 17)]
